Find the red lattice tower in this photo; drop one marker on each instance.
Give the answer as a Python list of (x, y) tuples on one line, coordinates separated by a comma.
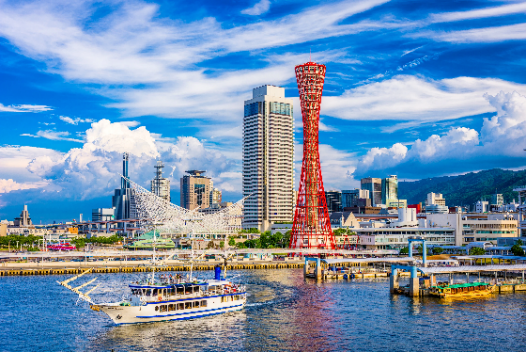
[(312, 226)]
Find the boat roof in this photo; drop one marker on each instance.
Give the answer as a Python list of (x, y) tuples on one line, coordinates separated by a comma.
[(470, 284), (168, 285)]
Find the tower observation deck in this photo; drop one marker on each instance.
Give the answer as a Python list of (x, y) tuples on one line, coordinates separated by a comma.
[(311, 227)]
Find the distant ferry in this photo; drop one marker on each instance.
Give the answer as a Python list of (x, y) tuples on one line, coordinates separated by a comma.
[(61, 247), (160, 243), (461, 291)]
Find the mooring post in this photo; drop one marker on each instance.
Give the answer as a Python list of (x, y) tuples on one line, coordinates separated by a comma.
[(393, 282), (306, 267), (318, 269), (414, 285)]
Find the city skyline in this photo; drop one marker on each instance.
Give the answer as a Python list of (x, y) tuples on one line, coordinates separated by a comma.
[(429, 90)]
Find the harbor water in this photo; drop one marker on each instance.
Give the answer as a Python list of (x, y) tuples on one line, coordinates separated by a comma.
[(284, 313)]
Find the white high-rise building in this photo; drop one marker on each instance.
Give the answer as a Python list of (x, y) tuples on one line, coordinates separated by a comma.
[(268, 158)]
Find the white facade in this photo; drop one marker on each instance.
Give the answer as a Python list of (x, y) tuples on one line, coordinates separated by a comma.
[(406, 218), (435, 198), (482, 206), (268, 158)]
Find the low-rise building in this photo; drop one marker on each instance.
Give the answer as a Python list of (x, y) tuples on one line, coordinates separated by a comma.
[(397, 238)]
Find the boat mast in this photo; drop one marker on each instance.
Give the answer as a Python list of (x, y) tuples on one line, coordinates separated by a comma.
[(153, 255)]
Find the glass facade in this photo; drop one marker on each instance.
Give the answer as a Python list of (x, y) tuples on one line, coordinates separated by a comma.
[(199, 192)]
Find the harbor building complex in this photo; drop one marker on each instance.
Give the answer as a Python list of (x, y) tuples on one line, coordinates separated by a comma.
[(268, 158)]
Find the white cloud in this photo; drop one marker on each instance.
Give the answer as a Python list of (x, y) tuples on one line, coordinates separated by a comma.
[(15, 160), (501, 137), (479, 13), (75, 121), (479, 35), (9, 185), (134, 45), (382, 158), (417, 98), (52, 135), (259, 8), (93, 170), (24, 108)]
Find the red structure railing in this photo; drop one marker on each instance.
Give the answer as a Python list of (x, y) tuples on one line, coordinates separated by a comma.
[(312, 226)]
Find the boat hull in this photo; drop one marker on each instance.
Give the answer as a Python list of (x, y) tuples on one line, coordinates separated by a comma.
[(158, 311), (467, 294)]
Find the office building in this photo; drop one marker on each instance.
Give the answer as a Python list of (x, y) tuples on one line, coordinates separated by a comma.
[(482, 206), (123, 200), (351, 198), (397, 203), (216, 196), (160, 186), (374, 186), (435, 199), (334, 201), (268, 156), (195, 190), (102, 214), (23, 219), (436, 209), (497, 199), (389, 189)]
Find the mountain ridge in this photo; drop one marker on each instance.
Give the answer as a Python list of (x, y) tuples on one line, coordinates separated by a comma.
[(465, 189)]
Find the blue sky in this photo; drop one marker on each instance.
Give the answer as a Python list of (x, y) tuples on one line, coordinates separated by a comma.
[(415, 88)]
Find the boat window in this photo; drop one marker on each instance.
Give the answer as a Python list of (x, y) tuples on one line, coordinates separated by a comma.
[(236, 297), (157, 308), (154, 292), (171, 307), (164, 308), (180, 306), (196, 288), (188, 305), (196, 304), (204, 303), (224, 299), (180, 290)]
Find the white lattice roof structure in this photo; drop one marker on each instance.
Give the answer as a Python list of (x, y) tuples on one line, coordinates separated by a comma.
[(174, 219)]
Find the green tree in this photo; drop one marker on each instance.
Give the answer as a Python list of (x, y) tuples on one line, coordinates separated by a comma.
[(438, 250), (222, 244), (231, 242), (516, 249), (477, 251), (404, 250)]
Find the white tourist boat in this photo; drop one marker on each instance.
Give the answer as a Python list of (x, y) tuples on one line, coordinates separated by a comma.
[(168, 298)]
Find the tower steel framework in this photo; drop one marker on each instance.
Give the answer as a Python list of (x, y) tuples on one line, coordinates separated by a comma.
[(312, 226)]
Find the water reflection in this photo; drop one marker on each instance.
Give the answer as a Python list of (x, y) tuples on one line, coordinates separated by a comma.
[(284, 313)]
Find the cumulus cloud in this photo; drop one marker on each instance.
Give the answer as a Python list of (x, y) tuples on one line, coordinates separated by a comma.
[(9, 185), (93, 170), (259, 8), (24, 108), (502, 137)]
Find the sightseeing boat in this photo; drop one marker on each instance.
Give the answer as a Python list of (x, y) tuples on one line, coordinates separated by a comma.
[(169, 297), (463, 291)]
